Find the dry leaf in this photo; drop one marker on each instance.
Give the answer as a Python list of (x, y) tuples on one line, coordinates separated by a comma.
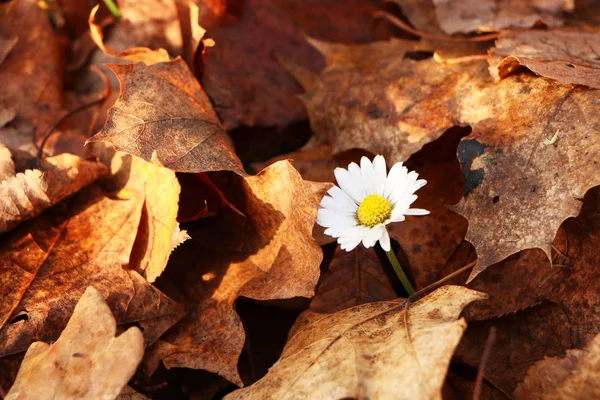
[(364, 351), (27, 194), (268, 253), (575, 376), (48, 263), (32, 74), (158, 233), (6, 45), (7, 166), (569, 57), (521, 340), (490, 15), (518, 187), (163, 116), (370, 97), (86, 362), (353, 278), (136, 54), (573, 282)]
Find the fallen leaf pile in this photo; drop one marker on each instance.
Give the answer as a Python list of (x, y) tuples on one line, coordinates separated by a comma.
[(162, 163)]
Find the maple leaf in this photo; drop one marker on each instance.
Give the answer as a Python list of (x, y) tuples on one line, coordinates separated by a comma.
[(573, 285), (87, 361), (270, 254), (352, 278), (49, 262), (403, 110), (163, 116), (489, 15), (343, 355), (575, 376), (569, 57), (25, 195)]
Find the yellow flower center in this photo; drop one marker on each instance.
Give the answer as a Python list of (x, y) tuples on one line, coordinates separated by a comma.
[(373, 210)]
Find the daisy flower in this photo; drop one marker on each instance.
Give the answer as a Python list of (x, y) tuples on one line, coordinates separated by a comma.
[(366, 200)]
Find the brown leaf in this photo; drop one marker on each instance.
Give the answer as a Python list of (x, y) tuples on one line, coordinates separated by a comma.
[(48, 263), (6, 45), (86, 362), (511, 170), (158, 233), (27, 194), (261, 92), (370, 97), (32, 74), (575, 376), (348, 354), (353, 278), (268, 253), (135, 54), (7, 166), (574, 284), (569, 57), (128, 393), (489, 15), (521, 340), (163, 116)]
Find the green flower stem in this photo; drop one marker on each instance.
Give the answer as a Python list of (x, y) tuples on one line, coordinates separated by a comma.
[(113, 8), (400, 272)]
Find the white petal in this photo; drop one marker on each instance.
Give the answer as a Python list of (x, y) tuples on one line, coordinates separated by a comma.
[(344, 207), (395, 178), (352, 187), (398, 212), (331, 219), (368, 175), (380, 174), (349, 245), (400, 191), (384, 241), (416, 211), (354, 170), (341, 196), (373, 236)]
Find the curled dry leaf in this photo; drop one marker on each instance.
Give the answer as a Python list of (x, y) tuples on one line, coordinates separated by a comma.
[(48, 262), (352, 278), (136, 54), (569, 57), (266, 253), (27, 194), (575, 376), (158, 231), (87, 361), (490, 15), (163, 116), (368, 351)]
